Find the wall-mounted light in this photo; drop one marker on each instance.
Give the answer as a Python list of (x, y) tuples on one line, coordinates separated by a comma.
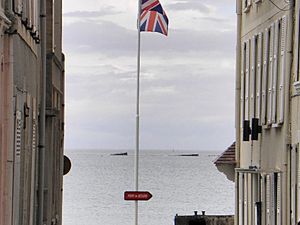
[(246, 130), (256, 129)]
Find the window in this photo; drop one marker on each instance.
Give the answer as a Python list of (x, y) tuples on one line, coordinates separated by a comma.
[(259, 198), (263, 69)]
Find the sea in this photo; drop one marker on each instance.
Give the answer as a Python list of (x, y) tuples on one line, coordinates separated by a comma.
[(94, 188)]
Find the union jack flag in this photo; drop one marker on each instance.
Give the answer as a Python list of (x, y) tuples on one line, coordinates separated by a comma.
[(153, 17)]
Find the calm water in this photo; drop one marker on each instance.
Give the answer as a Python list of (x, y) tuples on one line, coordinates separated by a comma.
[(93, 190)]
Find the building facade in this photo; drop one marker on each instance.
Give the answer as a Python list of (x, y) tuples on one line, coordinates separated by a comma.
[(31, 112), (267, 173)]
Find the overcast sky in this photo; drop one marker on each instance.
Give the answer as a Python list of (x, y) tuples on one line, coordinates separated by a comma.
[(187, 78)]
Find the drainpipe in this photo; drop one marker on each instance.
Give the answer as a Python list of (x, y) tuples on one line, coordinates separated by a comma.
[(238, 82), (237, 102), (42, 117)]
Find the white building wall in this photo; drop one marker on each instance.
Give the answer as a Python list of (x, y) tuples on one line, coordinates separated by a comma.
[(270, 192)]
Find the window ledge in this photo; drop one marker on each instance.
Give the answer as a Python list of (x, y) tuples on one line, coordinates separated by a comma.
[(276, 125)]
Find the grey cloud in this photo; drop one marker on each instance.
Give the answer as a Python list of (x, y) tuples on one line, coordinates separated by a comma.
[(212, 19), (92, 14), (196, 6), (111, 39), (103, 37)]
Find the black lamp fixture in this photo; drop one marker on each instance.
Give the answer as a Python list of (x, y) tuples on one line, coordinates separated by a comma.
[(256, 129), (246, 130)]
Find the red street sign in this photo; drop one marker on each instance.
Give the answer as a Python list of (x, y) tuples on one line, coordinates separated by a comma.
[(137, 195)]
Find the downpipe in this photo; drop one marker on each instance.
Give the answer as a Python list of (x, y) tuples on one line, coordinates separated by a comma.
[(237, 103), (42, 116)]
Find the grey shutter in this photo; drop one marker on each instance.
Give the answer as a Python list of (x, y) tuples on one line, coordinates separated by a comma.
[(33, 165), (282, 71), (18, 6), (247, 80), (253, 77), (272, 198), (241, 199), (264, 92), (17, 168), (268, 200), (258, 76), (278, 197), (275, 70), (246, 199), (293, 185), (270, 75), (263, 198), (242, 100)]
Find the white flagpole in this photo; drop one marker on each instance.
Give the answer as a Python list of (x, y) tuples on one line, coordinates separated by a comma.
[(138, 112)]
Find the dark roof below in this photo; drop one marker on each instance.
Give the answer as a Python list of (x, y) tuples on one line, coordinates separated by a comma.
[(227, 157)]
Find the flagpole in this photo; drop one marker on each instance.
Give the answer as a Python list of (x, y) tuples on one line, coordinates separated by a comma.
[(137, 111)]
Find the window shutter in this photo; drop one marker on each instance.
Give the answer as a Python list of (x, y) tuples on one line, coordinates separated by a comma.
[(247, 80), (30, 12), (258, 76), (17, 167), (270, 75), (25, 10), (33, 158), (263, 198), (241, 199), (275, 69), (34, 15), (268, 200), (242, 100), (18, 6), (278, 197), (283, 68), (18, 127), (246, 199), (293, 184), (253, 77), (264, 91), (272, 198), (255, 197)]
